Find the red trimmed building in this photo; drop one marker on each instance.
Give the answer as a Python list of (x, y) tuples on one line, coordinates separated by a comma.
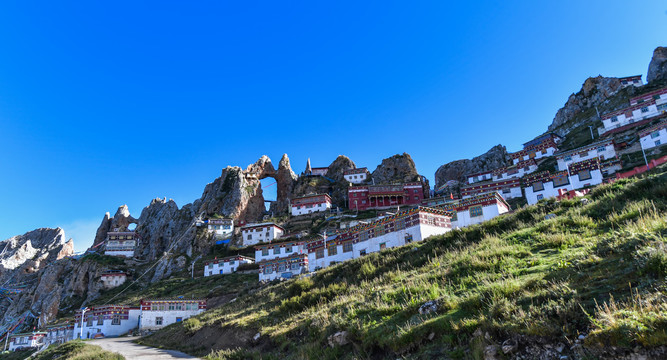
[(283, 267), (635, 80), (357, 176), (510, 188), (385, 196), (310, 203)]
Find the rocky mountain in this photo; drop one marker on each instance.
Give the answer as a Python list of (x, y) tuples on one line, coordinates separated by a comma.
[(398, 168), (456, 171), (657, 68)]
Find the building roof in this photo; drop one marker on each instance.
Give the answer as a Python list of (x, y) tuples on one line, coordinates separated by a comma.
[(633, 77), (312, 196), (251, 226), (657, 127), (172, 300), (355, 171), (584, 148), (491, 184)]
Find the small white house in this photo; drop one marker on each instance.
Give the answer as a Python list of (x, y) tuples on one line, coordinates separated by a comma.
[(475, 210), (284, 267), (510, 188), (604, 150), (479, 177), (542, 146), (59, 333), (653, 136), (226, 265), (357, 176), (113, 278), (402, 228), (635, 80), (265, 232), (106, 321), (642, 110), (279, 250), (545, 185), (222, 228), (158, 313), (23, 341), (120, 243), (310, 203)]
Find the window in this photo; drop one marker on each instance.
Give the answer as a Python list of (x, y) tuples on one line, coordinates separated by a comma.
[(319, 253), (538, 186), (288, 249), (363, 201), (416, 197), (655, 134), (656, 97), (332, 250), (158, 321), (347, 247), (408, 238), (100, 320), (276, 250), (415, 191), (362, 252), (294, 266), (657, 142), (507, 190), (645, 109), (584, 175), (561, 180), (172, 307), (210, 266), (281, 267), (220, 271), (115, 320), (268, 270), (89, 321), (265, 251), (383, 246), (476, 211), (601, 148), (540, 197), (249, 237), (179, 319), (614, 119)]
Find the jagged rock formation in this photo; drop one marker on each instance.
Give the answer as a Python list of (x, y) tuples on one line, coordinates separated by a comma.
[(594, 91), (396, 169), (457, 170), (285, 180), (23, 260), (657, 68)]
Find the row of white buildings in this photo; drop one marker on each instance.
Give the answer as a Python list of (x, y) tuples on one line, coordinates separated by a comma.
[(641, 108), (111, 321)]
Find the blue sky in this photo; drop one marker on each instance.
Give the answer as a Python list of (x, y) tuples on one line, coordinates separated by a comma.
[(111, 103)]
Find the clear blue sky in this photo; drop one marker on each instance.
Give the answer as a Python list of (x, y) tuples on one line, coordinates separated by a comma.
[(111, 103)]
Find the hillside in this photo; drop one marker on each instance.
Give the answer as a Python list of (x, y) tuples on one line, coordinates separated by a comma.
[(588, 281)]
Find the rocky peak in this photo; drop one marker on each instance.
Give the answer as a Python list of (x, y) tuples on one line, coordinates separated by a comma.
[(457, 170), (594, 91), (33, 250), (396, 169), (657, 68), (338, 167)]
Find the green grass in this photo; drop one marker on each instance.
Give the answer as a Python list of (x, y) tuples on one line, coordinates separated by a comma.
[(595, 268), (77, 350), (16, 355)]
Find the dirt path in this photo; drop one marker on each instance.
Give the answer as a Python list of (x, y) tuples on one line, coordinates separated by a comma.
[(132, 351)]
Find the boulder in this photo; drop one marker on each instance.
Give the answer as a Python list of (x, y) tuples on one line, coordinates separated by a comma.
[(657, 68), (338, 339), (429, 307)]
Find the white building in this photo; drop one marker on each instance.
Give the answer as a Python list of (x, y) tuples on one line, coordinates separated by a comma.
[(283, 267), (402, 228), (106, 321), (545, 185), (59, 333), (35, 339), (279, 250), (657, 95), (653, 136), (514, 171), (542, 146), (601, 149), (222, 228), (256, 233), (226, 265), (158, 313), (120, 243), (510, 188), (357, 176), (111, 279), (474, 210), (479, 177), (631, 81), (310, 203)]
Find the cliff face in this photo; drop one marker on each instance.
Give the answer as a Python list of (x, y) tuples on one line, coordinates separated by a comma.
[(457, 170), (657, 68), (398, 169)]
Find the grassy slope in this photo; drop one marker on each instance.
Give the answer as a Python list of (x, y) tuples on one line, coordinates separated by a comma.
[(587, 270), (77, 350)]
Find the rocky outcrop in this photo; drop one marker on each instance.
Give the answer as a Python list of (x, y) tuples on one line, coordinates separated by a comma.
[(657, 68), (285, 180), (396, 169), (594, 91), (33, 250), (457, 170), (120, 221)]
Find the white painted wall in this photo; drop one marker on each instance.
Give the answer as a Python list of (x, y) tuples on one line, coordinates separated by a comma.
[(356, 178), (107, 328), (149, 317), (293, 270), (480, 178), (532, 197), (310, 208), (283, 251), (224, 267), (24, 341), (604, 152), (268, 233), (464, 219), (654, 139)]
